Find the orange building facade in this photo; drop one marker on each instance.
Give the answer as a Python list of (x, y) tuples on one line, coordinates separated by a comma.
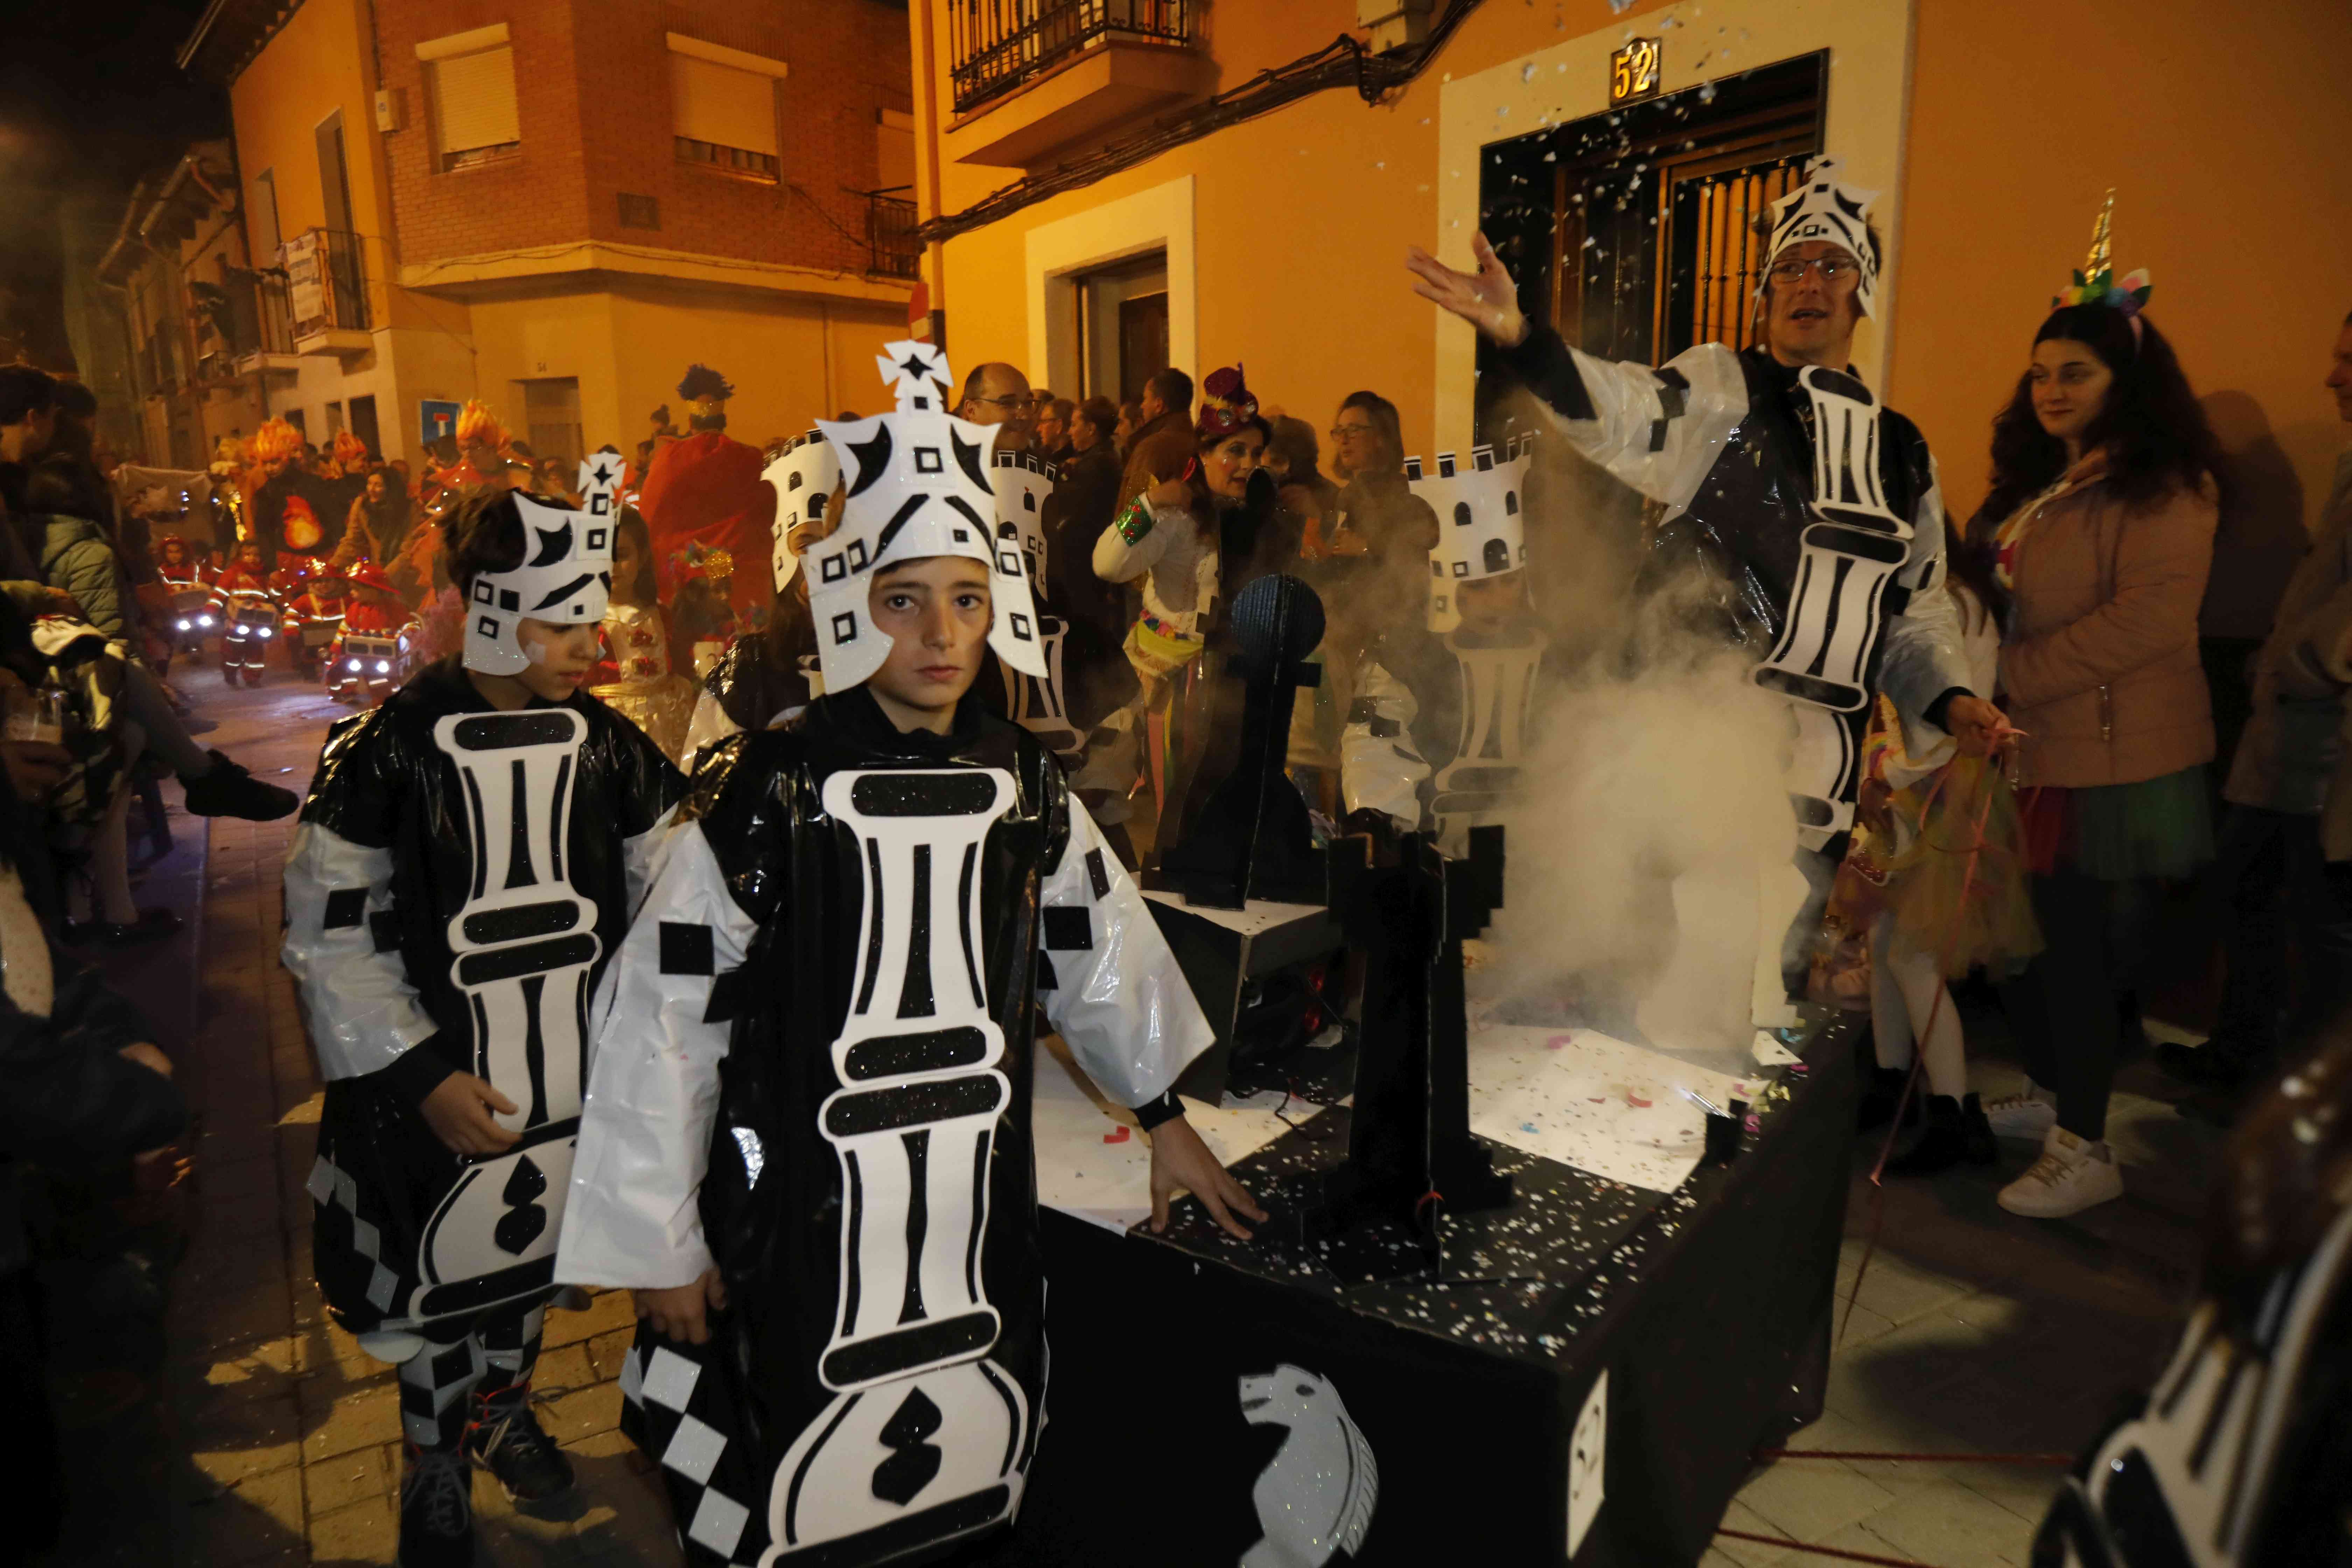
[(556, 206), (1991, 129)]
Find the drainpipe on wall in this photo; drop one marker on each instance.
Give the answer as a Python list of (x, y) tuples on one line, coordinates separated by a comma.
[(926, 149)]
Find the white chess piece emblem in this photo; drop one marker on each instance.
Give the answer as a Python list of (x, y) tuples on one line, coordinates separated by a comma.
[(522, 947), (1498, 685), (925, 1438), (1314, 1499)]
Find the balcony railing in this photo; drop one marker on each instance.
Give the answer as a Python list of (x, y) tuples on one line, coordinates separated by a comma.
[(1000, 43), (326, 282), (890, 235)]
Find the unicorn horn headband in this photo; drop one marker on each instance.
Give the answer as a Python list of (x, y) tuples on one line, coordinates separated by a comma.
[(2096, 283)]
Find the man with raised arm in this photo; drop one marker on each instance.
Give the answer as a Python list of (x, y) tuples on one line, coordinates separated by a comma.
[(1815, 507)]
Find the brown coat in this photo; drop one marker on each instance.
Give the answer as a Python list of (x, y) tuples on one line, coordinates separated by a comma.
[(2100, 661)]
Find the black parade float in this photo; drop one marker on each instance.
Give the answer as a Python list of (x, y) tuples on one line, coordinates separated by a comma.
[(1437, 1343)]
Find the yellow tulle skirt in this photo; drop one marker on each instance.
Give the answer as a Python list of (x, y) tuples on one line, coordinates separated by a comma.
[(1946, 859)]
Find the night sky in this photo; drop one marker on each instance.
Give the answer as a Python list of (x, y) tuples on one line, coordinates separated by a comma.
[(89, 100)]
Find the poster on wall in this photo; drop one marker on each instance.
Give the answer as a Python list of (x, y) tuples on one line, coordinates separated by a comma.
[(306, 291), (438, 420)]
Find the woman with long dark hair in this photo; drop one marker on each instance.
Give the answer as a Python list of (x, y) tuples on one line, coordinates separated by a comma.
[(1191, 541), (2099, 529)]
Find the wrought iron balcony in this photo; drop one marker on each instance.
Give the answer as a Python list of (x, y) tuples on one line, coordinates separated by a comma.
[(997, 45)]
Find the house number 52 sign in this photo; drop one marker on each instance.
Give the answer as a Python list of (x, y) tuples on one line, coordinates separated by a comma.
[(1633, 71)]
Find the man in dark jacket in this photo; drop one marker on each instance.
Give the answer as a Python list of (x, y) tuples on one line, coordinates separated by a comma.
[(1162, 447), (28, 415)]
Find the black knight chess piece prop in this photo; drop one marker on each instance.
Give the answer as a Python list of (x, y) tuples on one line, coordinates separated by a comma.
[(1248, 836)]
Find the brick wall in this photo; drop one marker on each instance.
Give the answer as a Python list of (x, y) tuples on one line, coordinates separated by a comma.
[(592, 91)]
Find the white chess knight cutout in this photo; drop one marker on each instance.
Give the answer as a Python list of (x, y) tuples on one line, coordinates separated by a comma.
[(565, 577), (922, 1423), (1314, 1497), (804, 475), (919, 486)]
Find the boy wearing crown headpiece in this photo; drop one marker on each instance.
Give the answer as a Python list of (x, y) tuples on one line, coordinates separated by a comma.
[(807, 1143), (463, 871), (1783, 476), (1438, 721)]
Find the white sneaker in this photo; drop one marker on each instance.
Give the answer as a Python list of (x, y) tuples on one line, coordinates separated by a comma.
[(2071, 1175), (2028, 1115)]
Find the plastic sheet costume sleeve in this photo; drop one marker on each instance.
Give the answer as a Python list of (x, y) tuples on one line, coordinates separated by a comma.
[(646, 1126), (1923, 654), (1380, 767), (1119, 1000), (1659, 430), (364, 1014)]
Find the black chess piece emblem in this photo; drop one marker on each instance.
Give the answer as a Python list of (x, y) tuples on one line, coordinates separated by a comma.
[(915, 1459), (525, 1219)]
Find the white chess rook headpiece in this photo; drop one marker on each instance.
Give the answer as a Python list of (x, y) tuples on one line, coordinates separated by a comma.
[(804, 474), (565, 577), (1481, 526), (1824, 209)]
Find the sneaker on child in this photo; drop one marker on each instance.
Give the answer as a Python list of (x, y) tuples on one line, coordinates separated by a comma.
[(2072, 1175)]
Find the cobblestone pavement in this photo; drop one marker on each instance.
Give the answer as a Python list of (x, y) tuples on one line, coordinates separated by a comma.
[(1973, 1332)]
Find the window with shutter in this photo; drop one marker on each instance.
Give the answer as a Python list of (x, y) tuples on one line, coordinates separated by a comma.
[(474, 94), (723, 103)]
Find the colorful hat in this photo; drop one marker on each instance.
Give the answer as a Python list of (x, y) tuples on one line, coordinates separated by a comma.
[(1226, 404), (1822, 208), (565, 577), (368, 574), (2096, 283), (919, 486)]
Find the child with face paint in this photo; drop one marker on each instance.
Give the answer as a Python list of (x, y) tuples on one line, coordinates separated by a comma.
[(463, 871), (811, 1093)]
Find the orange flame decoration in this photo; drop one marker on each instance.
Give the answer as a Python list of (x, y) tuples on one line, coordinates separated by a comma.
[(478, 426), (276, 441), (349, 450)]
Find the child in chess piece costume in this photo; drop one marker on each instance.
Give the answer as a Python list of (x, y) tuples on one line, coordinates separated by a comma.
[(1439, 724), (806, 1146), (464, 870)]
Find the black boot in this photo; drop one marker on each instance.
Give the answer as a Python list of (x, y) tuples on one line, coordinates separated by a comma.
[(225, 789), (1880, 1090), (1942, 1143), (507, 1441), (1975, 1133), (436, 1509)]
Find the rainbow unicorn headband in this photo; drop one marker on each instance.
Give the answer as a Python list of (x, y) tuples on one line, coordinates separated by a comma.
[(2096, 283)]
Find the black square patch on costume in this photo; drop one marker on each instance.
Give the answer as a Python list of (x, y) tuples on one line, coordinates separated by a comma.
[(686, 949), (1046, 979), (385, 926), (346, 907), (726, 998), (1069, 931), (1097, 874)]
